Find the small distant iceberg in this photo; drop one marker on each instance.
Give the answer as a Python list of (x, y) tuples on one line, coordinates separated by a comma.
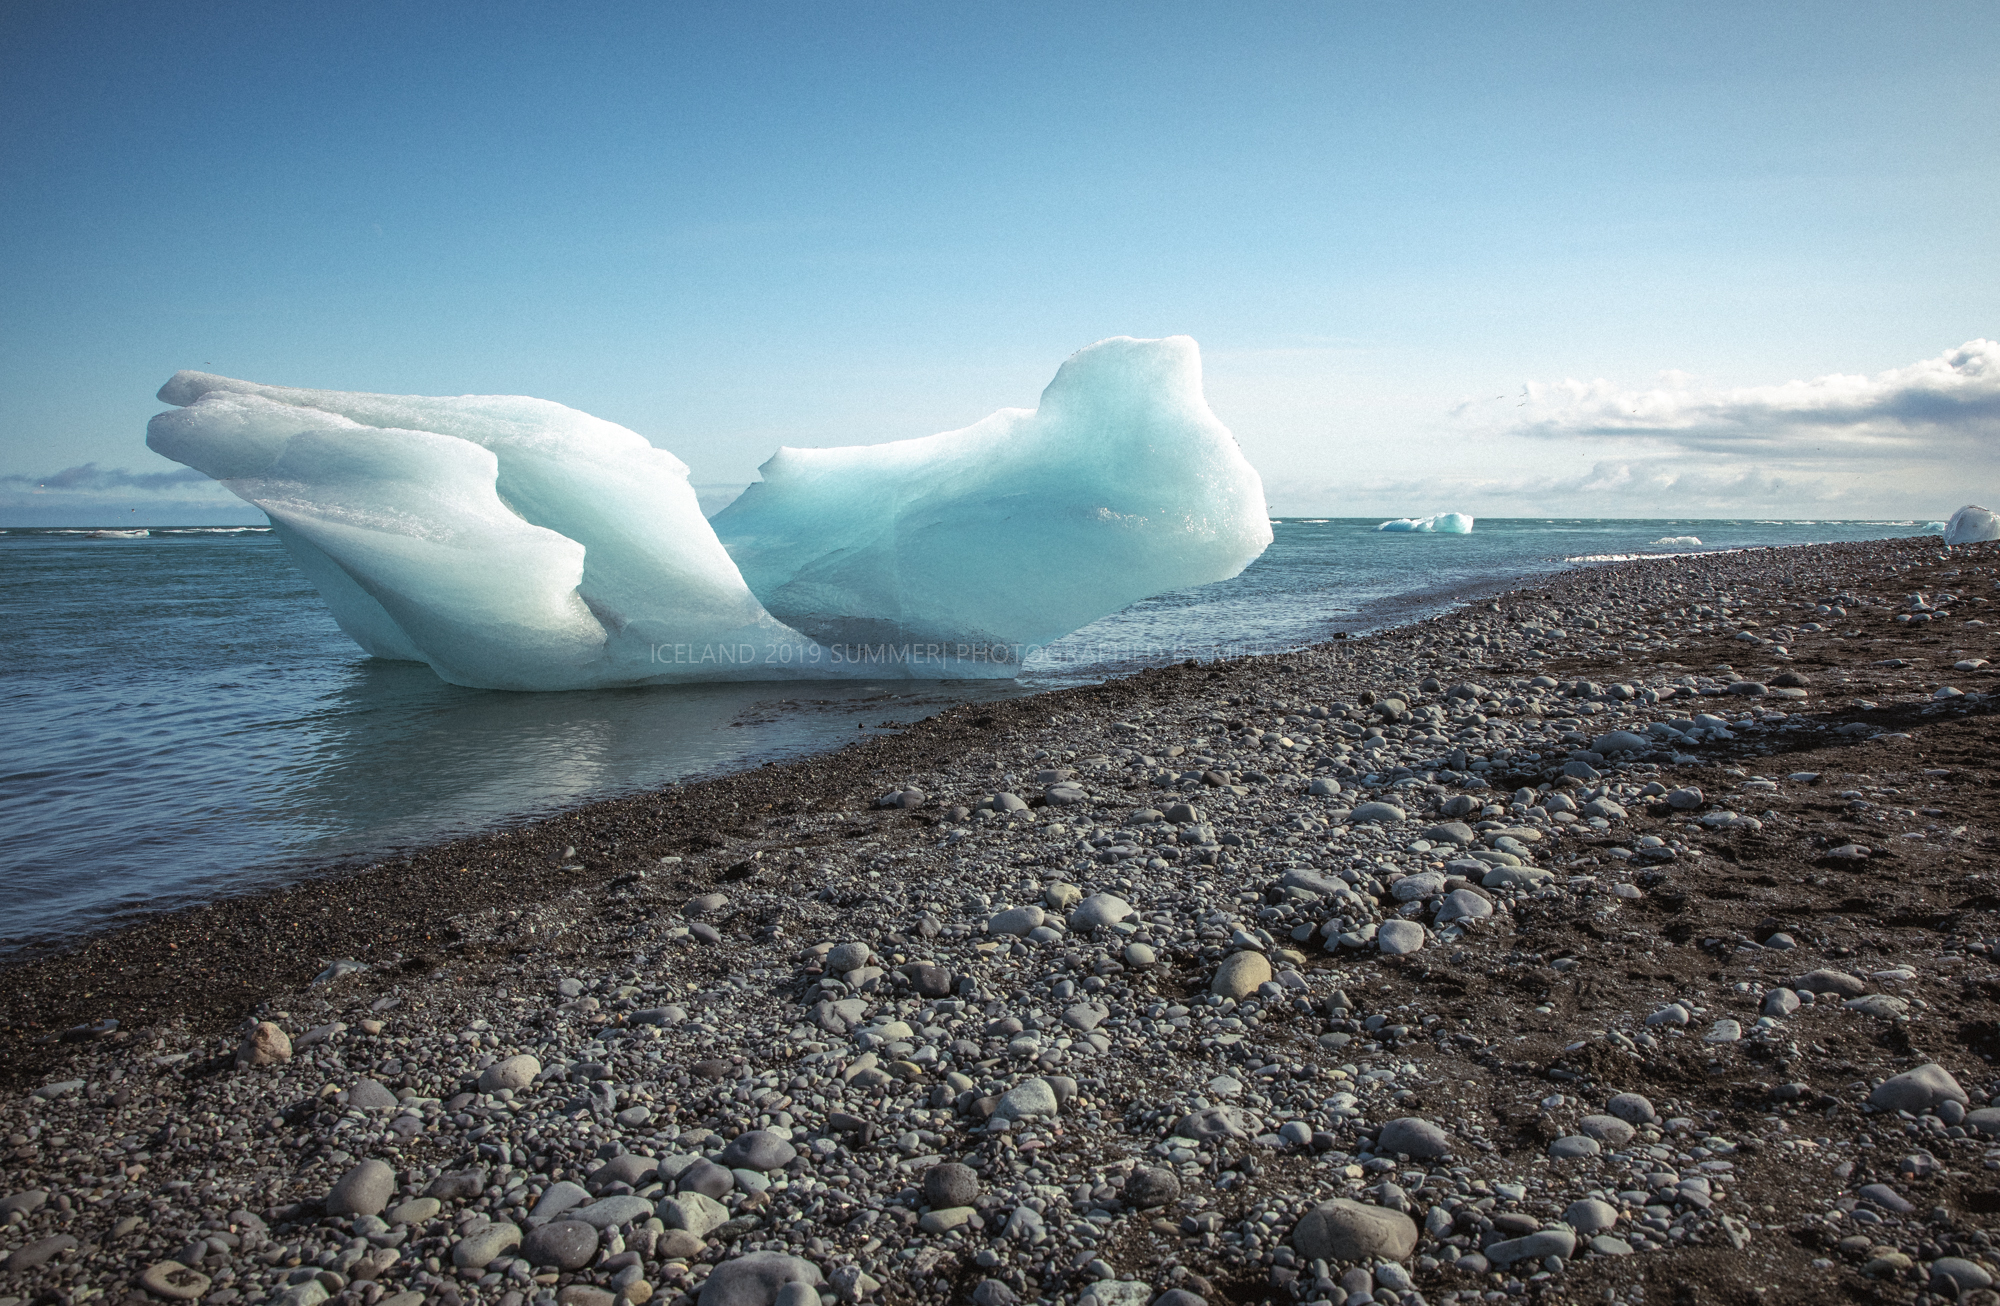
[(1971, 524), (1680, 541), (1445, 523), (117, 535)]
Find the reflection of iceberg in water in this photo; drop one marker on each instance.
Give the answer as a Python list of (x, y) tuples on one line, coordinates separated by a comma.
[(1445, 523), (395, 758), (514, 543)]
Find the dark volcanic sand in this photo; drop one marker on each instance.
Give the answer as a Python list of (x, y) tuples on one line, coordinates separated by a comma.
[(444, 929)]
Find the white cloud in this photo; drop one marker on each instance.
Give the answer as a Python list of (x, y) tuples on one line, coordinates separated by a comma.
[(1931, 408)]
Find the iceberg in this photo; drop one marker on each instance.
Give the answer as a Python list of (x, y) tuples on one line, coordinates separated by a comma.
[(514, 543), (1684, 541), (1445, 523), (1972, 524), (1013, 531)]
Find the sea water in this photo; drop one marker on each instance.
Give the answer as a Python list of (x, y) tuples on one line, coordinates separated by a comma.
[(180, 718)]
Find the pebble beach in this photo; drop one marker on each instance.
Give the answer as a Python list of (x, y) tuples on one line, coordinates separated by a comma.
[(1623, 938)]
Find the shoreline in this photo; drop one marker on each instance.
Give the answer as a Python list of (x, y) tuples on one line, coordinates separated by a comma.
[(464, 945), (285, 874)]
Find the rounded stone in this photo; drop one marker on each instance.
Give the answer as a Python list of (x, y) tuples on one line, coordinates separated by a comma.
[(1414, 1137), (1590, 1216), (267, 1045), (1099, 909), (1213, 1122), (1962, 1274), (1985, 1120), (1016, 920), (950, 1184), (1464, 905), (1398, 938), (1575, 1147), (174, 1280), (1028, 1099), (481, 1249), (758, 1149), (1918, 1090), (364, 1190), (707, 1178), (415, 1211), (848, 956), (1605, 1129), (1240, 973), (697, 1213), (1534, 1247), (514, 1073), (1377, 814), (756, 1279), (1837, 982), (1151, 1186), (567, 1244), (1632, 1109), (1344, 1230), (678, 1245)]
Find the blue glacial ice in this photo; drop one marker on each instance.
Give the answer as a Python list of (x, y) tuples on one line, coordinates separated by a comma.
[(514, 543), (1445, 523), (1017, 529), (1971, 524)]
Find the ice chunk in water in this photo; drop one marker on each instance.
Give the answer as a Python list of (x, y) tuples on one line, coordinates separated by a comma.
[(1445, 523), (1016, 530), (513, 543), (1971, 524)]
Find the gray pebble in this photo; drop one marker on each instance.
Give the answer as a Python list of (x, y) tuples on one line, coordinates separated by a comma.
[(756, 1278), (364, 1190), (1397, 938), (1917, 1090), (1344, 1230), (568, 1244), (482, 1248), (1534, 1247), (1631, 1108), (757, 1149), (514, 1072), (707, 1178), (1018, 921), (1590, 1216), (1150, 1186), (950, 1184), (557, 1198), (1414, 1137)]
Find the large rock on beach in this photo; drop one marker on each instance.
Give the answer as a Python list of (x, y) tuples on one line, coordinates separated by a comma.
[(1345, 1230)]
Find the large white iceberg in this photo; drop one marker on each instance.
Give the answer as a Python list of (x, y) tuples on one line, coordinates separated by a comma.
[(1016, 530), (513, 543), (1444, 523), (1971, 524)]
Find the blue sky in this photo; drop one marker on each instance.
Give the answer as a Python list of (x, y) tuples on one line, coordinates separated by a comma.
[(1426, 250)]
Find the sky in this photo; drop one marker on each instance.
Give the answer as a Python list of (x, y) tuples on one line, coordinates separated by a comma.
[(1514, 260)]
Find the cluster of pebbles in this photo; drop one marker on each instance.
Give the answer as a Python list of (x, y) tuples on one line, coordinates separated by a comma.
[(1381, 972)]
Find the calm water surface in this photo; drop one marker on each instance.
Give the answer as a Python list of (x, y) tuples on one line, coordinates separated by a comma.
[(180, 718)]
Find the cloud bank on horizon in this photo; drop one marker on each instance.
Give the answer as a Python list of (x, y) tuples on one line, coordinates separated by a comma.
[(1917, 410), (1917, 440)]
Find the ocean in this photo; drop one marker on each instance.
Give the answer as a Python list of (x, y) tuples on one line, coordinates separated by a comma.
[(180, 718)]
